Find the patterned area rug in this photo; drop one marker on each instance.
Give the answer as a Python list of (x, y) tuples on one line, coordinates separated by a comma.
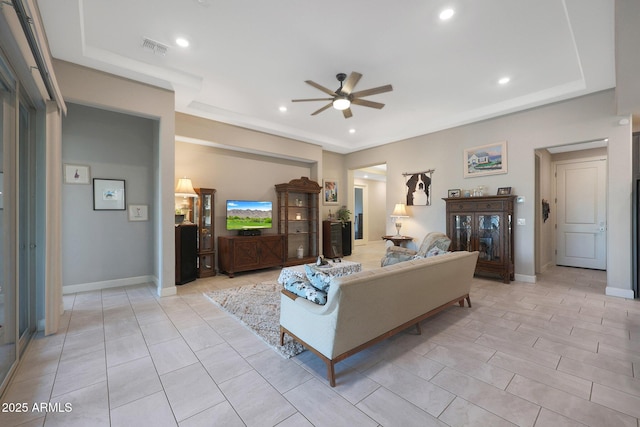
[(257, 307)]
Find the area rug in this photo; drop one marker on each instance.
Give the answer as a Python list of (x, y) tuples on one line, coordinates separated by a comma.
[(257, 307)]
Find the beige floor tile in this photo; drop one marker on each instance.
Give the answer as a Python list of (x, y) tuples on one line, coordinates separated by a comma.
[(570, 383), (257, 402), (221, 414), (489, 373), (153, 410), (79, 371), (88, 407), (423, 367), (190, 390), (201, 337), (521, 351), (612, 398), (281, 373), (463, 413), (418, 391), (222, 362), (171, 355), (126, 349), (158, 332), (620, 382), (514, 409), (296, 420), (389, 409), (30, 391), (569, 405), (131, 381), (551, 419), (335, 411), (590, 358)]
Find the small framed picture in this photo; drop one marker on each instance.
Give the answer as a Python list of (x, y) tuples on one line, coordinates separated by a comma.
[(76, 174), (453, 193), (108, 194), (330, 192), (138, 213), (504, 191)]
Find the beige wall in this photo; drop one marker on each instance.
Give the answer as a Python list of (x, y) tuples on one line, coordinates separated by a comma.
[(86, 86), (581, 119)]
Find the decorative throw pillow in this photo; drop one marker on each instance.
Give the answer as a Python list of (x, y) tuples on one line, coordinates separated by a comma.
[(435, 251), (301, 287), (319, 279)]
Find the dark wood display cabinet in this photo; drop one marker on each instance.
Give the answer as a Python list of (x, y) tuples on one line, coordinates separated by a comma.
[(336, 239), (186, 253), (203, 212), (244, 253), (298, 220), (484, 224)]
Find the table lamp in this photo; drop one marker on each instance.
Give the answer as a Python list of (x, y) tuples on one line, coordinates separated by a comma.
[(400, 211), (185, 189)]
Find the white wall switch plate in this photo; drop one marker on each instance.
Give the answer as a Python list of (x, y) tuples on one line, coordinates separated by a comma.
[(521, 221)]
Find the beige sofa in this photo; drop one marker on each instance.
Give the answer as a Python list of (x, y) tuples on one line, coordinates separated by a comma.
[(367, 307)]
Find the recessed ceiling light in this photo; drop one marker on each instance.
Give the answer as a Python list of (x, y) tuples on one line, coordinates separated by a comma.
[(504, 80), (182, 42), (352, 131), (283, 109), (446, 14)]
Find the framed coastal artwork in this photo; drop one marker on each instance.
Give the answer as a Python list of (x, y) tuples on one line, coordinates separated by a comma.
[(490, 159), (108, 194)]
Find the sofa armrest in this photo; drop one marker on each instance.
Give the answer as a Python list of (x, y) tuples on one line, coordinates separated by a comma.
[(401, 250)]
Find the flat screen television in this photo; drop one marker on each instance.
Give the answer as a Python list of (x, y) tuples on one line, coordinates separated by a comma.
[(249, 214)]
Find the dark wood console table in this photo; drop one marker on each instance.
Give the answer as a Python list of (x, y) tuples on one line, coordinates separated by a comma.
[(244, 253)]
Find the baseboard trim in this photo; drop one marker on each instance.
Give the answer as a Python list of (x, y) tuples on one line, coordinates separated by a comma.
[(107, 284), (524, 278), (167, 292), (620, 293)]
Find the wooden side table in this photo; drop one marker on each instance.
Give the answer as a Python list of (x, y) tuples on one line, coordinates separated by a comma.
[(398, 240)]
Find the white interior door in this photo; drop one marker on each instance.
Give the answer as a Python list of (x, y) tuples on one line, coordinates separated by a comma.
[(581, 218)]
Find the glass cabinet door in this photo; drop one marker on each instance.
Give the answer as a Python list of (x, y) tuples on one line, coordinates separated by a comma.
[(489, 237), (461, 233), (206, 235)]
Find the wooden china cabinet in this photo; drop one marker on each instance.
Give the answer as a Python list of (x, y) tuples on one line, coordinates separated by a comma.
[(299, 219), (484, 224), (204, 218)]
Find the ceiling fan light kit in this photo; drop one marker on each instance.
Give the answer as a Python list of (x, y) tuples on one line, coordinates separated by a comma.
[(344, 97)]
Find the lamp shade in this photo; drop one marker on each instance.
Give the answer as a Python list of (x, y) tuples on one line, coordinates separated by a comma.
[(400, 211), (185, 188)]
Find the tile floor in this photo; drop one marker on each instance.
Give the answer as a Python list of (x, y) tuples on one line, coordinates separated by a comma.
[(557, 353)]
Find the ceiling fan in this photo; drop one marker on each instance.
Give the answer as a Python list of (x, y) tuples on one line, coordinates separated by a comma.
[(344, 96)]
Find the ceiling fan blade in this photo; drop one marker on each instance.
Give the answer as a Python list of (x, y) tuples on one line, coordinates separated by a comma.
[(372, 91), (312, 99), (366, 103), (319, 87), (322, 109), (347, 113), (350, 83)]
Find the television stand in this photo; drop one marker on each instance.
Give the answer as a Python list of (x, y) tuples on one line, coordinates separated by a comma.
[(250, 232), (244, 253)]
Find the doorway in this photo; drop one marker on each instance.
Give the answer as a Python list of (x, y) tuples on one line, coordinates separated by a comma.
[(570, 199), (367, 200)]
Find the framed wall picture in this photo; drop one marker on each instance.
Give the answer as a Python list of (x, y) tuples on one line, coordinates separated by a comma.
[(108, 194), (138, 212), (488, 159), (330, 192), (504, 191), (76, 174)]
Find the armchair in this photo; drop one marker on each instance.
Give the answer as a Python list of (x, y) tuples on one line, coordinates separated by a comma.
[(434, 243)]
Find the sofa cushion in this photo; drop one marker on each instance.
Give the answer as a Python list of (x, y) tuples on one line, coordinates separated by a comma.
[(318, 278), (302, 287), (434, 239)]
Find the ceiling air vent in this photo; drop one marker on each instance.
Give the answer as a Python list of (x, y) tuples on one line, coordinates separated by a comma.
[(152, 45)]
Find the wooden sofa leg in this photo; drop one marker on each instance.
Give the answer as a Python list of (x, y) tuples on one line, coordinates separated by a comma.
[(281, 336), (419, 328), (468, 301), (331, 373), (461, 302)]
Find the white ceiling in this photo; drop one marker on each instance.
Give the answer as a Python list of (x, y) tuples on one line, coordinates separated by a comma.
[(248, 58)]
